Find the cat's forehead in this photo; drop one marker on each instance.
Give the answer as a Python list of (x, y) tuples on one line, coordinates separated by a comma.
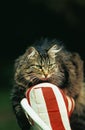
[(46, 60)]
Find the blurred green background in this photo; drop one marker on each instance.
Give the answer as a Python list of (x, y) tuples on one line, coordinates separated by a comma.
[(24, 22), (7, 118)]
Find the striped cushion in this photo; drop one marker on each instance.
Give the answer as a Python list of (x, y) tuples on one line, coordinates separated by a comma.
[(51, 105)]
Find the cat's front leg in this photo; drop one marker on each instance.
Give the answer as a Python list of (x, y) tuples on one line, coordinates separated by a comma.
[(17, 95)]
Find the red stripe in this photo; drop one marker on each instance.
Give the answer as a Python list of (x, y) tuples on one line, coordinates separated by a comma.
[(52, 108), (28, 94), (72, 107)]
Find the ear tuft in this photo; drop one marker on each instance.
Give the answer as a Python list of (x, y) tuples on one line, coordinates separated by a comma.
[(32, 52), (54, 50)]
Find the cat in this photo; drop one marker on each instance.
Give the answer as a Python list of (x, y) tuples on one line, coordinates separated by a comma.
[(49, 61)]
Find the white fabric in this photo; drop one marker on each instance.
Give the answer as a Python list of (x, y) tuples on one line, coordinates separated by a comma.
[(40, 123)]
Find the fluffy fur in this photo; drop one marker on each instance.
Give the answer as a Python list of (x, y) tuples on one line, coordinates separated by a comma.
[(48, 61)]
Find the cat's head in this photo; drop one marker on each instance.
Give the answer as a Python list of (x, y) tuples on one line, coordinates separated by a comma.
[(36, 67)]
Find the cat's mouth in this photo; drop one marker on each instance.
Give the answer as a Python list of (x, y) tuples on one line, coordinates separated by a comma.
[(44, 79)]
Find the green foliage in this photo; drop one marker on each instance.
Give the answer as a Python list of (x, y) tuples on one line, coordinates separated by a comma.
[(7, 118)]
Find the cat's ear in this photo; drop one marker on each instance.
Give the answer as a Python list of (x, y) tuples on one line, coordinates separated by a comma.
[(32, 53), (54, 50)]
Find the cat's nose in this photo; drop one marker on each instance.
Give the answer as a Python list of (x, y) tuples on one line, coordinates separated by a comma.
[(45, 72), (46, 75)]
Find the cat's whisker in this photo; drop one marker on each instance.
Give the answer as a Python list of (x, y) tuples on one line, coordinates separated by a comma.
[(34, 79)]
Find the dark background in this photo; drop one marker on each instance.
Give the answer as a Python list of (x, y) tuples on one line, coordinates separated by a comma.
[(24, 22)]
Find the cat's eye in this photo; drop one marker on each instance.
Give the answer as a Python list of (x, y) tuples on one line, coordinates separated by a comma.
[(39, 66), (36, 66), (52, 65)]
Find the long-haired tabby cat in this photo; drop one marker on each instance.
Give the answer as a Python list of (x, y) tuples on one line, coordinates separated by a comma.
[(48, 61)]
